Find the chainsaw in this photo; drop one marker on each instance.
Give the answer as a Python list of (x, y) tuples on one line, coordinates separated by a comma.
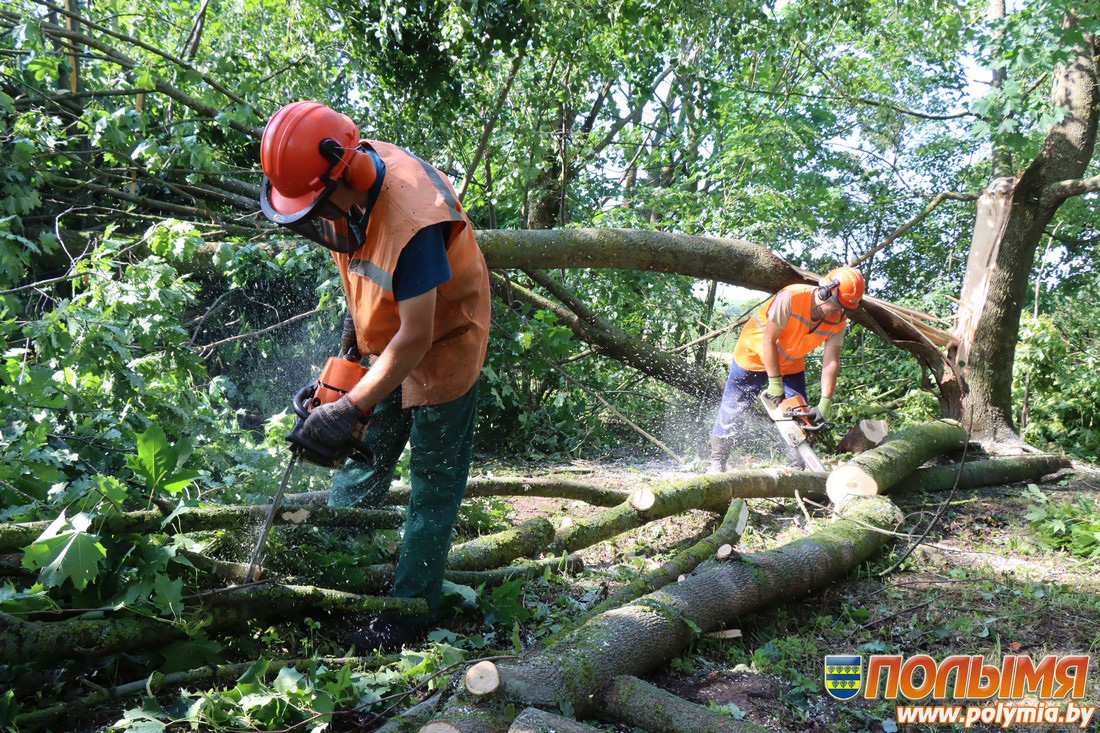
[(339, 375), (792, 418)]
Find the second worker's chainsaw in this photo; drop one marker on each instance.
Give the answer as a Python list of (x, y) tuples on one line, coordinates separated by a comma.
[(792, 419), (338, 377)]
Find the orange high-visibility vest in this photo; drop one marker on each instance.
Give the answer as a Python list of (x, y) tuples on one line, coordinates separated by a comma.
[(415, 195), (799, 338)]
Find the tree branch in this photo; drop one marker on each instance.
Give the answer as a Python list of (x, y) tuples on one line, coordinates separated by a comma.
[(939, 199), (151, 49), (487, 129), (1055, 193), (261, 332)]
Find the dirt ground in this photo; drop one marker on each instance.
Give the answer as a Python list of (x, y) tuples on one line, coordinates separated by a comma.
[(980, 582)]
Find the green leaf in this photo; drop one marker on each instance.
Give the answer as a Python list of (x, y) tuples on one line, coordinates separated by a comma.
[(168, 594), (65, 551), (289, 680), (468, 594)]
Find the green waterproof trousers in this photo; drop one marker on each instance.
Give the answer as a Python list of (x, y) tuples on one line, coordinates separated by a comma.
[(442, 438)]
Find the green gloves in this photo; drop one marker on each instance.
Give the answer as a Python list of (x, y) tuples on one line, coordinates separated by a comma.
[(820, 413), (775, 387)]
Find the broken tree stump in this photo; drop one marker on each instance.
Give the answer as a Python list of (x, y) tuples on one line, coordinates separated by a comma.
[(877, 470)]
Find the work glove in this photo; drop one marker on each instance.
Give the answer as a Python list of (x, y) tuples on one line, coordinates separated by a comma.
[(349, 344), (333, 423), (774, 392), (818, 415)]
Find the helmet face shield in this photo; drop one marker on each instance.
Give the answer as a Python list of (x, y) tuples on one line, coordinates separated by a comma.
[(322, 221)]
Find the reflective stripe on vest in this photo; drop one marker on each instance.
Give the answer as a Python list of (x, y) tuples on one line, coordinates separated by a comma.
[(795, 341)]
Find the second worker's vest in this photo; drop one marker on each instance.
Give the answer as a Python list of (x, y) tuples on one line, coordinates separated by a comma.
[(414, 195), (799, 338)]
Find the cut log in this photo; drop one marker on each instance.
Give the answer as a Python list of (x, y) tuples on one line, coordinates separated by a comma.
[(491, 551), (533, 720), (439, 726), (866, 434), (723, 552), (875, 471), (649, 632), (642, 705), (643, 500), (992, 472), (482, 678), (17, 536)]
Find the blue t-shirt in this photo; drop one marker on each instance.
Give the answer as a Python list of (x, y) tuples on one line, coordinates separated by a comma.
[(423, 263)]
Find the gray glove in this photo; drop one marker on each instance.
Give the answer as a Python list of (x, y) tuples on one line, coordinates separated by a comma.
[(349, 344), (333, 423)]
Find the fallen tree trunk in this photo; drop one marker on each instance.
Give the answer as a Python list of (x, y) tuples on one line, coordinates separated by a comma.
[(492, 551), (878, 469), (634, 702), (22, 640), (709, 493), (368, 579), (17, 536), (647, 633), (547, 488), (981, 473)]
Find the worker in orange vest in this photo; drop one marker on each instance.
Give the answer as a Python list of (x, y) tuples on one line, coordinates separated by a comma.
[(417, 292), (771, 348)]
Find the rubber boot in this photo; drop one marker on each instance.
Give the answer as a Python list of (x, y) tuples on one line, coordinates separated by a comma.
[(719, 453)]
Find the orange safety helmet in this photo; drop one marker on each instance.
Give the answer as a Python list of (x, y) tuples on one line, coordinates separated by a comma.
[(844, 286), (305, 150)]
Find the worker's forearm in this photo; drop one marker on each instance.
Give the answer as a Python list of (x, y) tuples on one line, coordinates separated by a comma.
[(770, 355), (828, 379), (389, 370)]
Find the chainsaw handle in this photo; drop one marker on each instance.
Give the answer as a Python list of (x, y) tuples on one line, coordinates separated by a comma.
[(360, 451)]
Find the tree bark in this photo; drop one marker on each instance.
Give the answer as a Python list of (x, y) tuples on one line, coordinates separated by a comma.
[(634, 702), (616, 344), (728, 532), (877, 470), (993, 472), (533, 720), (547, 487), (492, 551)]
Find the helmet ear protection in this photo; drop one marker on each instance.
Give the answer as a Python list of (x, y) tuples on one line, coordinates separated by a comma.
[(824, 292), (358, 171)]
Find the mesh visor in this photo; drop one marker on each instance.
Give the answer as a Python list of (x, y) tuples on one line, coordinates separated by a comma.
[(322, 221)]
